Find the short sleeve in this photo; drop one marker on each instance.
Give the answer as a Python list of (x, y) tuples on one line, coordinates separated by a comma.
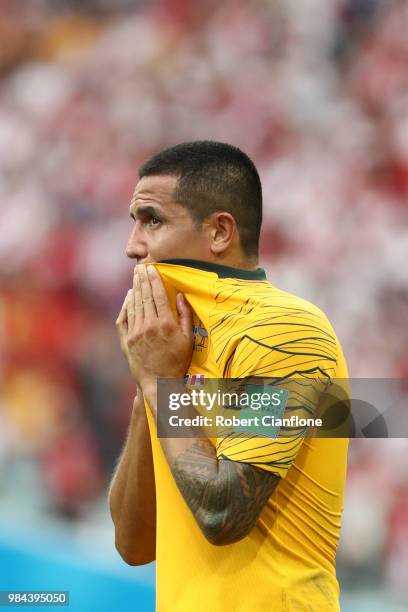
[(298, 354)]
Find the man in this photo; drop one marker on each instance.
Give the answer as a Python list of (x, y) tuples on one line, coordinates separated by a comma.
[(236, 523)]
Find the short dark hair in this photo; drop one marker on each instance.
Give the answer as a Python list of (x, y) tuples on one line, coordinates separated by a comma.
[(214, 176)]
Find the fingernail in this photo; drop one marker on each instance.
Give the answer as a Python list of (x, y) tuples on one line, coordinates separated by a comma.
[(151, 271)]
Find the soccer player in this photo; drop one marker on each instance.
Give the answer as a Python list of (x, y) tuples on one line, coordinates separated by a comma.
[(237, 523)]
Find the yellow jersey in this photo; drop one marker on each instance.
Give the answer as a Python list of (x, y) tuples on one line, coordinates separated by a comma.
[(244, 326)]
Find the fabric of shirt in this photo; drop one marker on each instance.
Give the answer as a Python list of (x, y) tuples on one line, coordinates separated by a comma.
[(244, 326)]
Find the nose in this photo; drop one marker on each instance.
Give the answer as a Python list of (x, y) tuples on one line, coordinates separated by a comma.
[(136, 247)]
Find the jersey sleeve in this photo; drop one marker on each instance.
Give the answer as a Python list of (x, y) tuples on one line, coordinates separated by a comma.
[(298, 353)]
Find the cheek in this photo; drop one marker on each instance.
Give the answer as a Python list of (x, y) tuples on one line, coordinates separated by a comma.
[(164, 244), (179, 243)]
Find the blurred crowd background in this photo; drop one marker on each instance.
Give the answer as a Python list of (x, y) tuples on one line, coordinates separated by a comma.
[(316, 93)]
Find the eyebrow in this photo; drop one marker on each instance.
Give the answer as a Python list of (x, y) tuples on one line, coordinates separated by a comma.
[(145, 210)]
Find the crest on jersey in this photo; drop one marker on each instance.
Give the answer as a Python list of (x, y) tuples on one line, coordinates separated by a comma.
[(200, 337)]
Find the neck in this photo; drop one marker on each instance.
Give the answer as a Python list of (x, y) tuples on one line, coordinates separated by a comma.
[(238, 261)]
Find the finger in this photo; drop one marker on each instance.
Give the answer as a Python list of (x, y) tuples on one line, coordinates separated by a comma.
[(137, 302), (122, 324), (122, 321), (185, 315), (122, 314), (159, 293), (130, 306), (147, 296)]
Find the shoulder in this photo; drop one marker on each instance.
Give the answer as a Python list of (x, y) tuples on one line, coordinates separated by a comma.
[(263, 328), (275, 306)]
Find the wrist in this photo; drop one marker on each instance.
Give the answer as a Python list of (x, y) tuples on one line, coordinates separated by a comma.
[(138, 402), (149, 390)]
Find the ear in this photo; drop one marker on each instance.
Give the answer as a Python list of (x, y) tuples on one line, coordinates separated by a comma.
[(223, 231)]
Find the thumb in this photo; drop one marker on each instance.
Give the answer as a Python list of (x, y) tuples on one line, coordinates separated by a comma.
[(185, 315)]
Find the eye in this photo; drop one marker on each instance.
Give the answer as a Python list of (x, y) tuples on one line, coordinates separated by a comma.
[(153, 221)]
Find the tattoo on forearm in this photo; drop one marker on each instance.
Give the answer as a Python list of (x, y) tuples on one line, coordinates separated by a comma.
[(226, 497)]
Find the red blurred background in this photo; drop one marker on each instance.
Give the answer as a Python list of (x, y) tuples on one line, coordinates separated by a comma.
[(317, 94)]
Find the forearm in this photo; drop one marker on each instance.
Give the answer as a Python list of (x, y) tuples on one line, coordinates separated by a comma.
[(202, 480), (132, 495)]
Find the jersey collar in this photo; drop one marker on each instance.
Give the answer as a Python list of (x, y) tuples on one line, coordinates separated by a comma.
[(220, 270)]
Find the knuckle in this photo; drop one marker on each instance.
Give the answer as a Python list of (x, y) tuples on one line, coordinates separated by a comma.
[(133, 339), (149, 331), (167, 326)]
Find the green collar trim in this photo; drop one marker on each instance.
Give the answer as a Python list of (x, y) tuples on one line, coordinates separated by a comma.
[(222, 271)]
